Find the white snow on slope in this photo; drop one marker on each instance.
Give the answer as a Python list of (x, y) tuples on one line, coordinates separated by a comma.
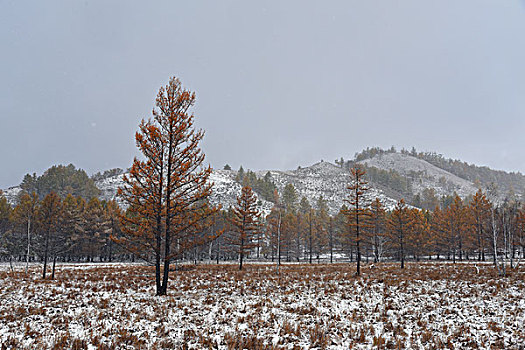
[(323, 179), (225, 190), (426, 175), (11, 194)]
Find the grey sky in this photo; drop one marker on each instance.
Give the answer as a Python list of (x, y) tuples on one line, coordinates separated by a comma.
[(278, 83)]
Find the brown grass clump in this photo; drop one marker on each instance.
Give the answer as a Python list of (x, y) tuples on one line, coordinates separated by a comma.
[(428, 305)]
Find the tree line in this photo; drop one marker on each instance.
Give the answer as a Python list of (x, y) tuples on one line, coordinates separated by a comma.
[(55, 228), (168, 216)]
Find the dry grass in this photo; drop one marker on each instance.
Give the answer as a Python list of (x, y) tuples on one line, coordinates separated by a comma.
[(429, 306)]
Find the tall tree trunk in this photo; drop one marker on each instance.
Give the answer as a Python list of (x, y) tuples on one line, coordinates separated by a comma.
[(310, 237), (279, 243), (358, 272), (53, 269), (241, 252), (331, 241), (218, 250), (46, 248), (28, 241)]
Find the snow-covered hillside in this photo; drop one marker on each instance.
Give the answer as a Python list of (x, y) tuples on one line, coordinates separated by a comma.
[(11, 194), (225, 189), (321, 179), (423, 174)]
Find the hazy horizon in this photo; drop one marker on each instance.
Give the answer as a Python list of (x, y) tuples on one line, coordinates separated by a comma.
[(278, 85)]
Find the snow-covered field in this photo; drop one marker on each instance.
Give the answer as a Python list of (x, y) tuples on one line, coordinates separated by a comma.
[(427, 306)]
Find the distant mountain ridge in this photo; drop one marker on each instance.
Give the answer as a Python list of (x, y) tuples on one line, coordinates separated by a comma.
[(422, 179)]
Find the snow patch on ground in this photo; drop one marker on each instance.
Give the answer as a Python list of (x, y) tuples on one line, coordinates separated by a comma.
[(428, 305)]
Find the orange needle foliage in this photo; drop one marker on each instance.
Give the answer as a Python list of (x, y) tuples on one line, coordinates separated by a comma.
[(167, 191), (245, 220)]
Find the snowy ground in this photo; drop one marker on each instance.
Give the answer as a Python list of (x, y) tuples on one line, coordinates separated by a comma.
[(431, 305)]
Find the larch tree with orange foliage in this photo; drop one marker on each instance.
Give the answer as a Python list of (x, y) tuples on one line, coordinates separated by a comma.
[(399, 229), (480, 208), (438, 231), (48, 223), (358, 213), (23, 215), (458, 226), (166, 191), (419, 236), (245, 221)]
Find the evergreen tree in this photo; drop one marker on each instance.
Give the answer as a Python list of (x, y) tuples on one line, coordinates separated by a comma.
[(72, 219), (290, 197), (458, 225), (419, 240), (399, 228), (377, 227), (480, 212), (49, 230), (112, 213), (322, 239), (23, 216), (245, 221), (240, 175), (96, 228), (62, 180), (5, 213)]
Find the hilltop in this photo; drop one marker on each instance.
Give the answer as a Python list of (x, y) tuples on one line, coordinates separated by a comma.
[(422, 179)]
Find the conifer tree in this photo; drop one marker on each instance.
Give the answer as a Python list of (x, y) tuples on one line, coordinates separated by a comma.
[(96, 228), (288, 231), (419, 239), (439, 228), (5, 212), (167, 190), (521, 230), (112, 213), (290, 197), (377, 227), (72, 219), (457, 219), (399, 228), (245, 221), (480, 212), (48, 223), (311, 227), (23, 215), (322, 226), (358, 213)]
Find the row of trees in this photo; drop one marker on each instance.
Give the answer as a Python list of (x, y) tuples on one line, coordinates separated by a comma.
[(364, 230), (61, 180), (68, 229), (169, 217), (72, 229)]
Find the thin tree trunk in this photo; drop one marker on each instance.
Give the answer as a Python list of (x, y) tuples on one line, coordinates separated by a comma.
[(218, 250), (53, 269), (46, 248), (331, 242), (279, 243), (28, 242), (310, 237)]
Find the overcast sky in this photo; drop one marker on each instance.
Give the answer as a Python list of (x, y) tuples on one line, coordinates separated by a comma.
[(278, 83)]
